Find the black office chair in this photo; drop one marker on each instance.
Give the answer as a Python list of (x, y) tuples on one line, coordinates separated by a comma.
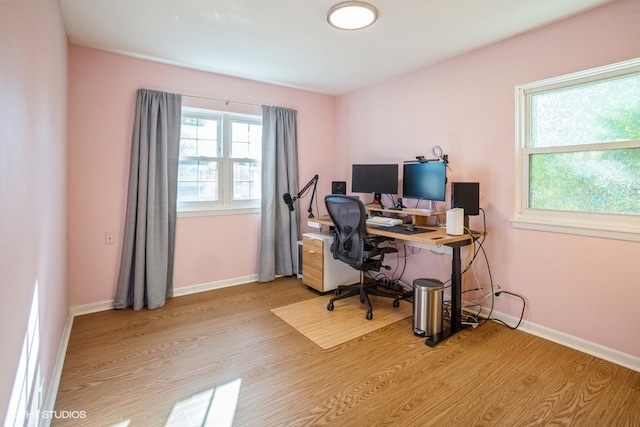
[(352, 246)]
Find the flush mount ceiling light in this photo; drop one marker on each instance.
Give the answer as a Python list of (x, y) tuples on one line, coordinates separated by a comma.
[(352, 15)]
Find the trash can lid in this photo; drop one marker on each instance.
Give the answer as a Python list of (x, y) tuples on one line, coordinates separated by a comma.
[(429, 283)]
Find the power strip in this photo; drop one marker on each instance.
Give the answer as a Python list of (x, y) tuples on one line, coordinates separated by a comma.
[(441, 249)]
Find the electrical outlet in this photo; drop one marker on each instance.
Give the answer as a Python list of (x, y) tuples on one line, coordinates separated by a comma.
[(108, 238), (497, 291)]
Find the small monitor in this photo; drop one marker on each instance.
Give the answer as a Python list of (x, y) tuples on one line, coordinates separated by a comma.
[(466, 195), (376, 179), (381, 179), (426, 180)]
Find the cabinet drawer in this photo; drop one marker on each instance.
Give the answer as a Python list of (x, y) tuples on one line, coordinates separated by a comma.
[(312, 263), (312, 245)]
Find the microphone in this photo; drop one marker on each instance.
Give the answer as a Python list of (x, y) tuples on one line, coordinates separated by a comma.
[(288, 200)]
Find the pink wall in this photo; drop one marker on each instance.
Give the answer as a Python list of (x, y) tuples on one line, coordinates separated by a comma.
[(102, 89), (33, 90), (584, 287)]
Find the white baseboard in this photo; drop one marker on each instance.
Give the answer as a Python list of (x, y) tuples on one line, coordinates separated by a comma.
[(588, 347), (203, 287), (177, 292), (94, 307), (57, 371)]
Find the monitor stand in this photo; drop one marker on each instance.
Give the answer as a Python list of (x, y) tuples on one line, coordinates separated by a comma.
[(377, 199)]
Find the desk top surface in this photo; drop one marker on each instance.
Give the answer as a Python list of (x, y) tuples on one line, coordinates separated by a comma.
[(438, 236)]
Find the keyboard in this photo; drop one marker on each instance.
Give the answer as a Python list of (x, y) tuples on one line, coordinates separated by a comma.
[(383, 221)]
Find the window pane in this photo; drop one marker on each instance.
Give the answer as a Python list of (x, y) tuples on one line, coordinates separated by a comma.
[(246, 140), (189, 127), (604, 111), (246, 181), (208, 191), (188, 147), (187, 191), (605, 181), (187, 171), (208, 148), (208, 129)]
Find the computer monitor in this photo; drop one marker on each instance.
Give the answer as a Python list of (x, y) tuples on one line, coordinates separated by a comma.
[(425, 180), (378, 179), (466, 195)]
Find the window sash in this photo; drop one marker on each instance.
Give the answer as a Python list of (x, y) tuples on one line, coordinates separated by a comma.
[(609, 225)]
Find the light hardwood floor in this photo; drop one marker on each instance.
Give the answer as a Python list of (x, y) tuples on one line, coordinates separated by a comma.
[(134, 368)]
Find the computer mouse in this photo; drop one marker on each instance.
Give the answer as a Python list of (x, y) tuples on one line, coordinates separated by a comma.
[(410, 227)]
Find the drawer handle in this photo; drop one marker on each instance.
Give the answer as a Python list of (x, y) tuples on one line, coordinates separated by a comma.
[(312, 252)]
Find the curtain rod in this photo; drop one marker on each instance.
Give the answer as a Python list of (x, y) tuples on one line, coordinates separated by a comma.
[(226, 101)]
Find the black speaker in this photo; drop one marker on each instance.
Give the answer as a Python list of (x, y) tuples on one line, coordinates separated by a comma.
[(338, 187), (466, 195)]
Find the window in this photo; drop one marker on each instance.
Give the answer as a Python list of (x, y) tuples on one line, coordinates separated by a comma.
[(220, 162), (578, 153)]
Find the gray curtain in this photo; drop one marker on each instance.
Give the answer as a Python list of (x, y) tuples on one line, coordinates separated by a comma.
[(279, 226), (146, 267)]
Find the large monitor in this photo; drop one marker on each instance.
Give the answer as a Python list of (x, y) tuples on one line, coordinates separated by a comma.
[(425, 180), (377, 179)]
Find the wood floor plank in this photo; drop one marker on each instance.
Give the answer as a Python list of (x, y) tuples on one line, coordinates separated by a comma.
[(144, 367)]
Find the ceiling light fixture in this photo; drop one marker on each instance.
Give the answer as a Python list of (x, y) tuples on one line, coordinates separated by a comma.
[(352, 15)]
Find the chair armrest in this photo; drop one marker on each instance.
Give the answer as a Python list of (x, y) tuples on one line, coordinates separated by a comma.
[(376, 240), (387, 250)]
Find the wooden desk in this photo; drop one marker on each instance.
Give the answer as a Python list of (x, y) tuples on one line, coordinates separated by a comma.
[(437, 237), (440, 238)]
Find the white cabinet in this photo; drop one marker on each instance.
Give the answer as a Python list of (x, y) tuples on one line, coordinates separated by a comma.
[(320, 270)]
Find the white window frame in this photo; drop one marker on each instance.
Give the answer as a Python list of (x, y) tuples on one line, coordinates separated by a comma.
[(623, 227), (224, 206)]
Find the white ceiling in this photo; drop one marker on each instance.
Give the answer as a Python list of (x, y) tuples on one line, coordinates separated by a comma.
[(288, 42)]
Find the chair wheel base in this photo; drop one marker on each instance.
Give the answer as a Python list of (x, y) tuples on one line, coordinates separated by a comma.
[(369, 315), (330, 306)]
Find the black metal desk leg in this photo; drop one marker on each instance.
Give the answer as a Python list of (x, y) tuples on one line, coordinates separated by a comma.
[(456, 290), (456, 300)]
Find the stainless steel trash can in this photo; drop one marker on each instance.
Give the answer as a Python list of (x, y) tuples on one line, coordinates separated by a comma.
[(427, 307)]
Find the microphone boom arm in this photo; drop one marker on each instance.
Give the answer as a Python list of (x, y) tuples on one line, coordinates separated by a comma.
[(301, 193)]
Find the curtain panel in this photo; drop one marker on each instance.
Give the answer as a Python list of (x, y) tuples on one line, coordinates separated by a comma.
[(146, 268), (279, 226)]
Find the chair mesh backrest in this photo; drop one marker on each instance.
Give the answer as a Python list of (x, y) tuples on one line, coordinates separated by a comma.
[(349, 219)]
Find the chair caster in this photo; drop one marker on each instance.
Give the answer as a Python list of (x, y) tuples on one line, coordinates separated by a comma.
[(330, 306), (337, 291), (396, 303), (369, 315)]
